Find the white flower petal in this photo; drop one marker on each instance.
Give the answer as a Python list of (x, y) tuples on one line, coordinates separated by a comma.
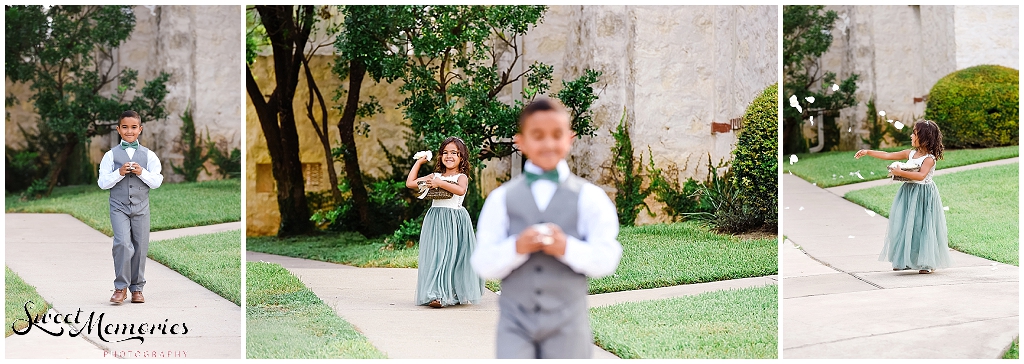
[(898, 125), (793, 101), (809, 99), (800, 109), (793, 159), (815, 184), (851, 236), (859, 176), (787, 207), (881, 113), (812, 120), (835, 87), (801, 208), (945, 208), (870, 213), (850, 130), (889, 121), (872, 172)]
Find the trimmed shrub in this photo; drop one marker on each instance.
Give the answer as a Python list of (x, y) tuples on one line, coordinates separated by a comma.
[(756, 157), (976, 107)]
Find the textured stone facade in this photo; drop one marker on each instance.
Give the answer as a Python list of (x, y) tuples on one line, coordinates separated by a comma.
[(674, 70), (901, 51), (201, 46)]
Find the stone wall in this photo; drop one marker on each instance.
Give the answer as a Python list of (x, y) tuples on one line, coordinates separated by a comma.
[(899, 52), (674, 70), (201, 47)]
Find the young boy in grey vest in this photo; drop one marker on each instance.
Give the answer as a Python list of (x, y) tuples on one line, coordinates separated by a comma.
[(129, 171), (542, 233)]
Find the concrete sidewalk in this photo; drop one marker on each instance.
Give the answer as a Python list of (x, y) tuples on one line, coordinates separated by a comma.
[(379, 303), (70, 265), (842, 190), (839, 301)]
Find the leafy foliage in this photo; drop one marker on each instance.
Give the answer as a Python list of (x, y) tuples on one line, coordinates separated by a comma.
[(681, 200), (977, 107), (64, 53), (627, 175), (807, 34), (229, 164), (756, 158), (729, 212), (191, 145)]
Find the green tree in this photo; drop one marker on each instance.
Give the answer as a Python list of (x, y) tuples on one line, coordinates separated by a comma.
[(807, 34), (64, 53), (192, 148), (288, 29)]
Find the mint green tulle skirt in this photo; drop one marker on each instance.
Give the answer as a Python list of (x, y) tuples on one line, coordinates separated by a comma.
[(916, 237), (446, 244)]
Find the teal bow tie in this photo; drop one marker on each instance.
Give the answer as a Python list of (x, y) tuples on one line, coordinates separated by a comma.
[(126, 145), (551, 175)]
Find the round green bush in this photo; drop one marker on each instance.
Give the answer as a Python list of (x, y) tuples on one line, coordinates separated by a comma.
[(976, 107), (756, 157)]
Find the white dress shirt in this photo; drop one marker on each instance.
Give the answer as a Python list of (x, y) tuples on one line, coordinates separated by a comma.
[(596, 255), (109, 176)]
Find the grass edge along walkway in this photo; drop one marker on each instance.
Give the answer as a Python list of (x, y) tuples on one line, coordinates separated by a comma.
[(284, 319), (657, 255), (976, 210), (211, 260), (714, 324), (16, 294), (819, 168)]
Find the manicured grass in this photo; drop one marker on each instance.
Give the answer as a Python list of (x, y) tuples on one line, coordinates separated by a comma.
[(345, 248), (739, 323), (664, 255), (16, 294), (819, 167), (983, 212), (172, 206), (284, 319), (212, 260), (1014, 351), (653, 256)]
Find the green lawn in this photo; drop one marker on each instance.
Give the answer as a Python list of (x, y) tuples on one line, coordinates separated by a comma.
[(983, 212), (739, 323), (1013, 352), (173, 205), (819, 167), (16, 294), (212, 260), (284, 319), (653, 256)]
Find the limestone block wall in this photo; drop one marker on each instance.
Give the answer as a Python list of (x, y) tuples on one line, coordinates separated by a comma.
[(201, 47), (674, 69)]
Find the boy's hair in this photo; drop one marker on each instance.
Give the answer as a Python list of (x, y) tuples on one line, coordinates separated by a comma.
[(929, 137), (463, 156), (129, 114), (541, 104)]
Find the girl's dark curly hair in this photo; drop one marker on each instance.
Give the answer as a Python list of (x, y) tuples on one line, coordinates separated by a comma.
[(463, 156), (929, 137)]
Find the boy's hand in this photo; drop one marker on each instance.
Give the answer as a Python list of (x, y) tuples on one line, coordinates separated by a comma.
[(861, 153), (528, 241), (557, 246), (124, 168), (136, 168)]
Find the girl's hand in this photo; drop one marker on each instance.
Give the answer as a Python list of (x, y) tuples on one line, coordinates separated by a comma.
[(861, 153), (431, 183), (421, 160)]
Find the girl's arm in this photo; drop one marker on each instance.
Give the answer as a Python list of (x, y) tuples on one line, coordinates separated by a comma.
[(926, 165), (410, 182), (456, 188), (894, 156)]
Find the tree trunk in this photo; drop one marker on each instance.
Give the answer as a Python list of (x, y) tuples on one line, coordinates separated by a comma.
[(321, 131), (277, 118), (356, 72), (62, 160)]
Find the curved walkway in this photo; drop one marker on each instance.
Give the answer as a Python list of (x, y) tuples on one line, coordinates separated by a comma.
[(70, 265), (378, 302), (839, 301)]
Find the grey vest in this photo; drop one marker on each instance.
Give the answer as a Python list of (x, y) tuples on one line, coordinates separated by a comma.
[(131, 189), (543, 282)]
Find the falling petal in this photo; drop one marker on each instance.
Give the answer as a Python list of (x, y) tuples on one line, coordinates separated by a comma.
[(851, 236), (889, 121), (815, 184), (793, 159), (945, 208), (872, 172), (793, 101), (790, 173), (800, 109), (898, 125), (809, 99), (850, 130), (993, 264), (787, 207), (835, 87), (870, 213), (881, 113), (812, 120), (801, 208)]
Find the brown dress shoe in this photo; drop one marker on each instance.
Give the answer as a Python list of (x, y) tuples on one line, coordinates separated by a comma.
[(119, 296), (435, 304), (137, 297)]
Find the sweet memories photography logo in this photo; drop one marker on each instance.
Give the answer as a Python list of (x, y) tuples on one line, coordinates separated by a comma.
[(90, 322)]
